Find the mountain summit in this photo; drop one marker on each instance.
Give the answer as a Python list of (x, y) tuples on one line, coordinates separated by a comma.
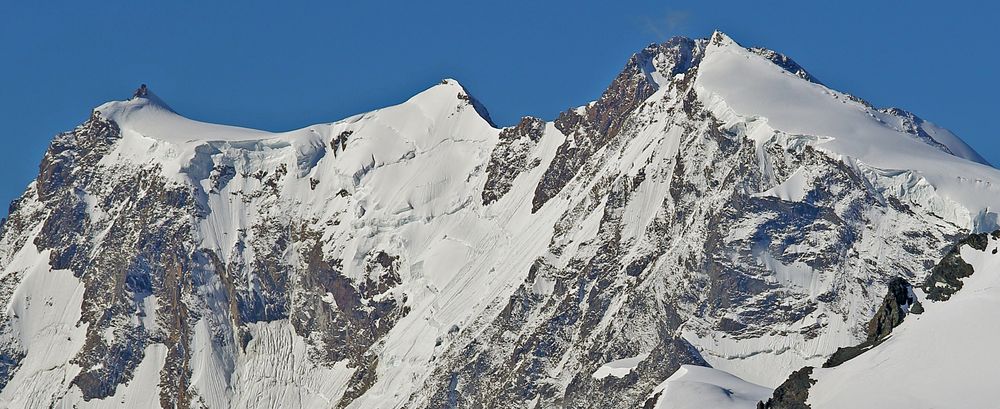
[(715, 221)]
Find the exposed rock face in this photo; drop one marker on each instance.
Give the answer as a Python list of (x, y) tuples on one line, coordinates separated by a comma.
[(894, 307), (890, 313), (511, 157), (141, 92), (793, 393), (786, 63), (588, 129), (128, 234), (898, 302), (946, 277), (418, 256), (132, 260)]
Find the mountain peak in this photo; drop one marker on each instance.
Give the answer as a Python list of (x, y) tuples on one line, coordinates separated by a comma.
[(144, 96), (147, 114), (141, 92), (451, 85), (710, 208), (739, 84), (451, 82), (722, 39)]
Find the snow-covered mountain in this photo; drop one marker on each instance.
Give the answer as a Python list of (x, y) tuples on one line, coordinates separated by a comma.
[(939, 358), (716, 206), (933, 352)]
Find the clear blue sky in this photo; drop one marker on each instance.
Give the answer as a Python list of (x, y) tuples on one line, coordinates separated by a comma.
[(276, 66)]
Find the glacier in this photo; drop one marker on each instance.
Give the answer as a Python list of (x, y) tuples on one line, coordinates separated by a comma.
[(716, 220)]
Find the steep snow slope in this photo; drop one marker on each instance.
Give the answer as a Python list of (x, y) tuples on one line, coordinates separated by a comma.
[(737, 84), (715, 206), (937, 359), (928, 132), (401, 175)]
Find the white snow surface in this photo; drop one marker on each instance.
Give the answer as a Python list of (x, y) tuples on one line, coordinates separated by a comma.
[(411, 170), (412, 175), (47, 306), (940, 135), (619, 367), (943, 358), (737, 84), (153, 118), (793, 189), (698, 387)]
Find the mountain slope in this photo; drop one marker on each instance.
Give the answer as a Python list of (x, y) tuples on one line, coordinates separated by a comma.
[(936, 358), (932, 354), (715, 206)]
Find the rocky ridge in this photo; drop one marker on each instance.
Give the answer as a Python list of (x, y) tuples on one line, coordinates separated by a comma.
[(418, 256)]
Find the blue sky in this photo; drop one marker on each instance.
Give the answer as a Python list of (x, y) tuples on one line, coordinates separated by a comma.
[(283, 66)]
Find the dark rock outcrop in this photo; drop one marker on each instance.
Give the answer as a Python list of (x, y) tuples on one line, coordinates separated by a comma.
[(894, 307), (946, 277), (510, 157), (668, 226), (785, 62), (793, 393), (590, 129), (141, 92)]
